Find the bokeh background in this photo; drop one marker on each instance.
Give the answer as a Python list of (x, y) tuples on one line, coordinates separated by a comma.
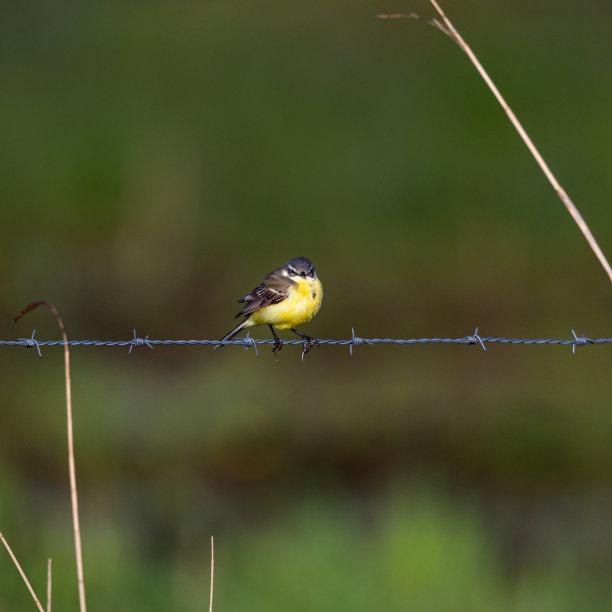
[(159, 158)]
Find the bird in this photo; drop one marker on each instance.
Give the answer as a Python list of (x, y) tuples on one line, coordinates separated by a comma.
[(287, 297)]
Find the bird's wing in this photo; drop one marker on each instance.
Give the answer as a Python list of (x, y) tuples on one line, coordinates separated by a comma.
[(274, 289)]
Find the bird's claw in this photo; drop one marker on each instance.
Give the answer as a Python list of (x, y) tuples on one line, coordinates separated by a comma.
[(278, 345), (308, 344)]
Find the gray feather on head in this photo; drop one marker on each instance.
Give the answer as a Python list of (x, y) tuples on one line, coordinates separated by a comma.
[(300, 266)]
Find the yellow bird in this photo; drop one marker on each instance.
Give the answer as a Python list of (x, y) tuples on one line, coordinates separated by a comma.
[(288, 297)]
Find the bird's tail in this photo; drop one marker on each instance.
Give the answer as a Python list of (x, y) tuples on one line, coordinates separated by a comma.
[(232, 333)]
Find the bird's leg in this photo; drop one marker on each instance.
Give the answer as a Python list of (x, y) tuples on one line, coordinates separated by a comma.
[(278, 343), (308, 341)]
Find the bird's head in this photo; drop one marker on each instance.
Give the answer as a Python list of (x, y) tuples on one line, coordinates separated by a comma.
[(300, 268)]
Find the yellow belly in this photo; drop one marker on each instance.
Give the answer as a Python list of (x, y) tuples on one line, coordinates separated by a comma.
[(303, 304)]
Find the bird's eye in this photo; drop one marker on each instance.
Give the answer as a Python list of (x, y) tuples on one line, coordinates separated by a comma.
[(292, 270)]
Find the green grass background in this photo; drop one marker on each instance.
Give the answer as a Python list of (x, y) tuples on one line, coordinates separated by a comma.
[(159, 158)]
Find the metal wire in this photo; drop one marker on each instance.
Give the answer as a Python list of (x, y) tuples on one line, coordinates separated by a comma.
[(353, 341)]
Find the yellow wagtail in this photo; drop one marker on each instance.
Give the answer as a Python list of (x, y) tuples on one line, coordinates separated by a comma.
[(288, 297)]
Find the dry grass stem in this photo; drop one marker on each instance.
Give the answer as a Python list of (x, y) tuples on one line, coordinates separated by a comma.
[(71, 464), (449, 29), (23, 576), (48, 585), (212, 570)]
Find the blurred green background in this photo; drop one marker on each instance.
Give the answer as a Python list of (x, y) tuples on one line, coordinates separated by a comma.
[(159, 158)]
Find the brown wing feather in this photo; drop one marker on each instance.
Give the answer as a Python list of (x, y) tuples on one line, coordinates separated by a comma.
[(274, 289)]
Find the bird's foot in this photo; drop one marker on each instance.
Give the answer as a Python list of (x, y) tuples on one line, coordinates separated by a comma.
[(278, 345), (308, 344)]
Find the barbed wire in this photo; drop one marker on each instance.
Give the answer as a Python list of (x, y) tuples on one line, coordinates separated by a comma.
[(354, 341)]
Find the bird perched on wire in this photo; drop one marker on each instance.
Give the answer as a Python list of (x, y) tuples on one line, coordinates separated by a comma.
[(287, 297)]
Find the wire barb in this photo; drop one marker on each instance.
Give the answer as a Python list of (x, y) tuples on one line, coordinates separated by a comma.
[(356, 341), (579, 341), (474, 338), (136, 341), (249, 342), (30, 342)]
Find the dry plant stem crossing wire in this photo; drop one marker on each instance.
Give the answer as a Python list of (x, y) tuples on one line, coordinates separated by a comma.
[(447, 28), (22, 573), (71, 465)]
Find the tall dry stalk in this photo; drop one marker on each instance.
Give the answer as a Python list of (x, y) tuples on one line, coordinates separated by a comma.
[(48, 585), (71, 464), (22, 573), (449, 29), (212, 570)]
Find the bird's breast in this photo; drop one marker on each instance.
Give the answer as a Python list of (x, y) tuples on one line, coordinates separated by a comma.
[(301, 305)]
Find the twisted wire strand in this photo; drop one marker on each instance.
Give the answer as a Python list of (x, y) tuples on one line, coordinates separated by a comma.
[(353, 341)]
